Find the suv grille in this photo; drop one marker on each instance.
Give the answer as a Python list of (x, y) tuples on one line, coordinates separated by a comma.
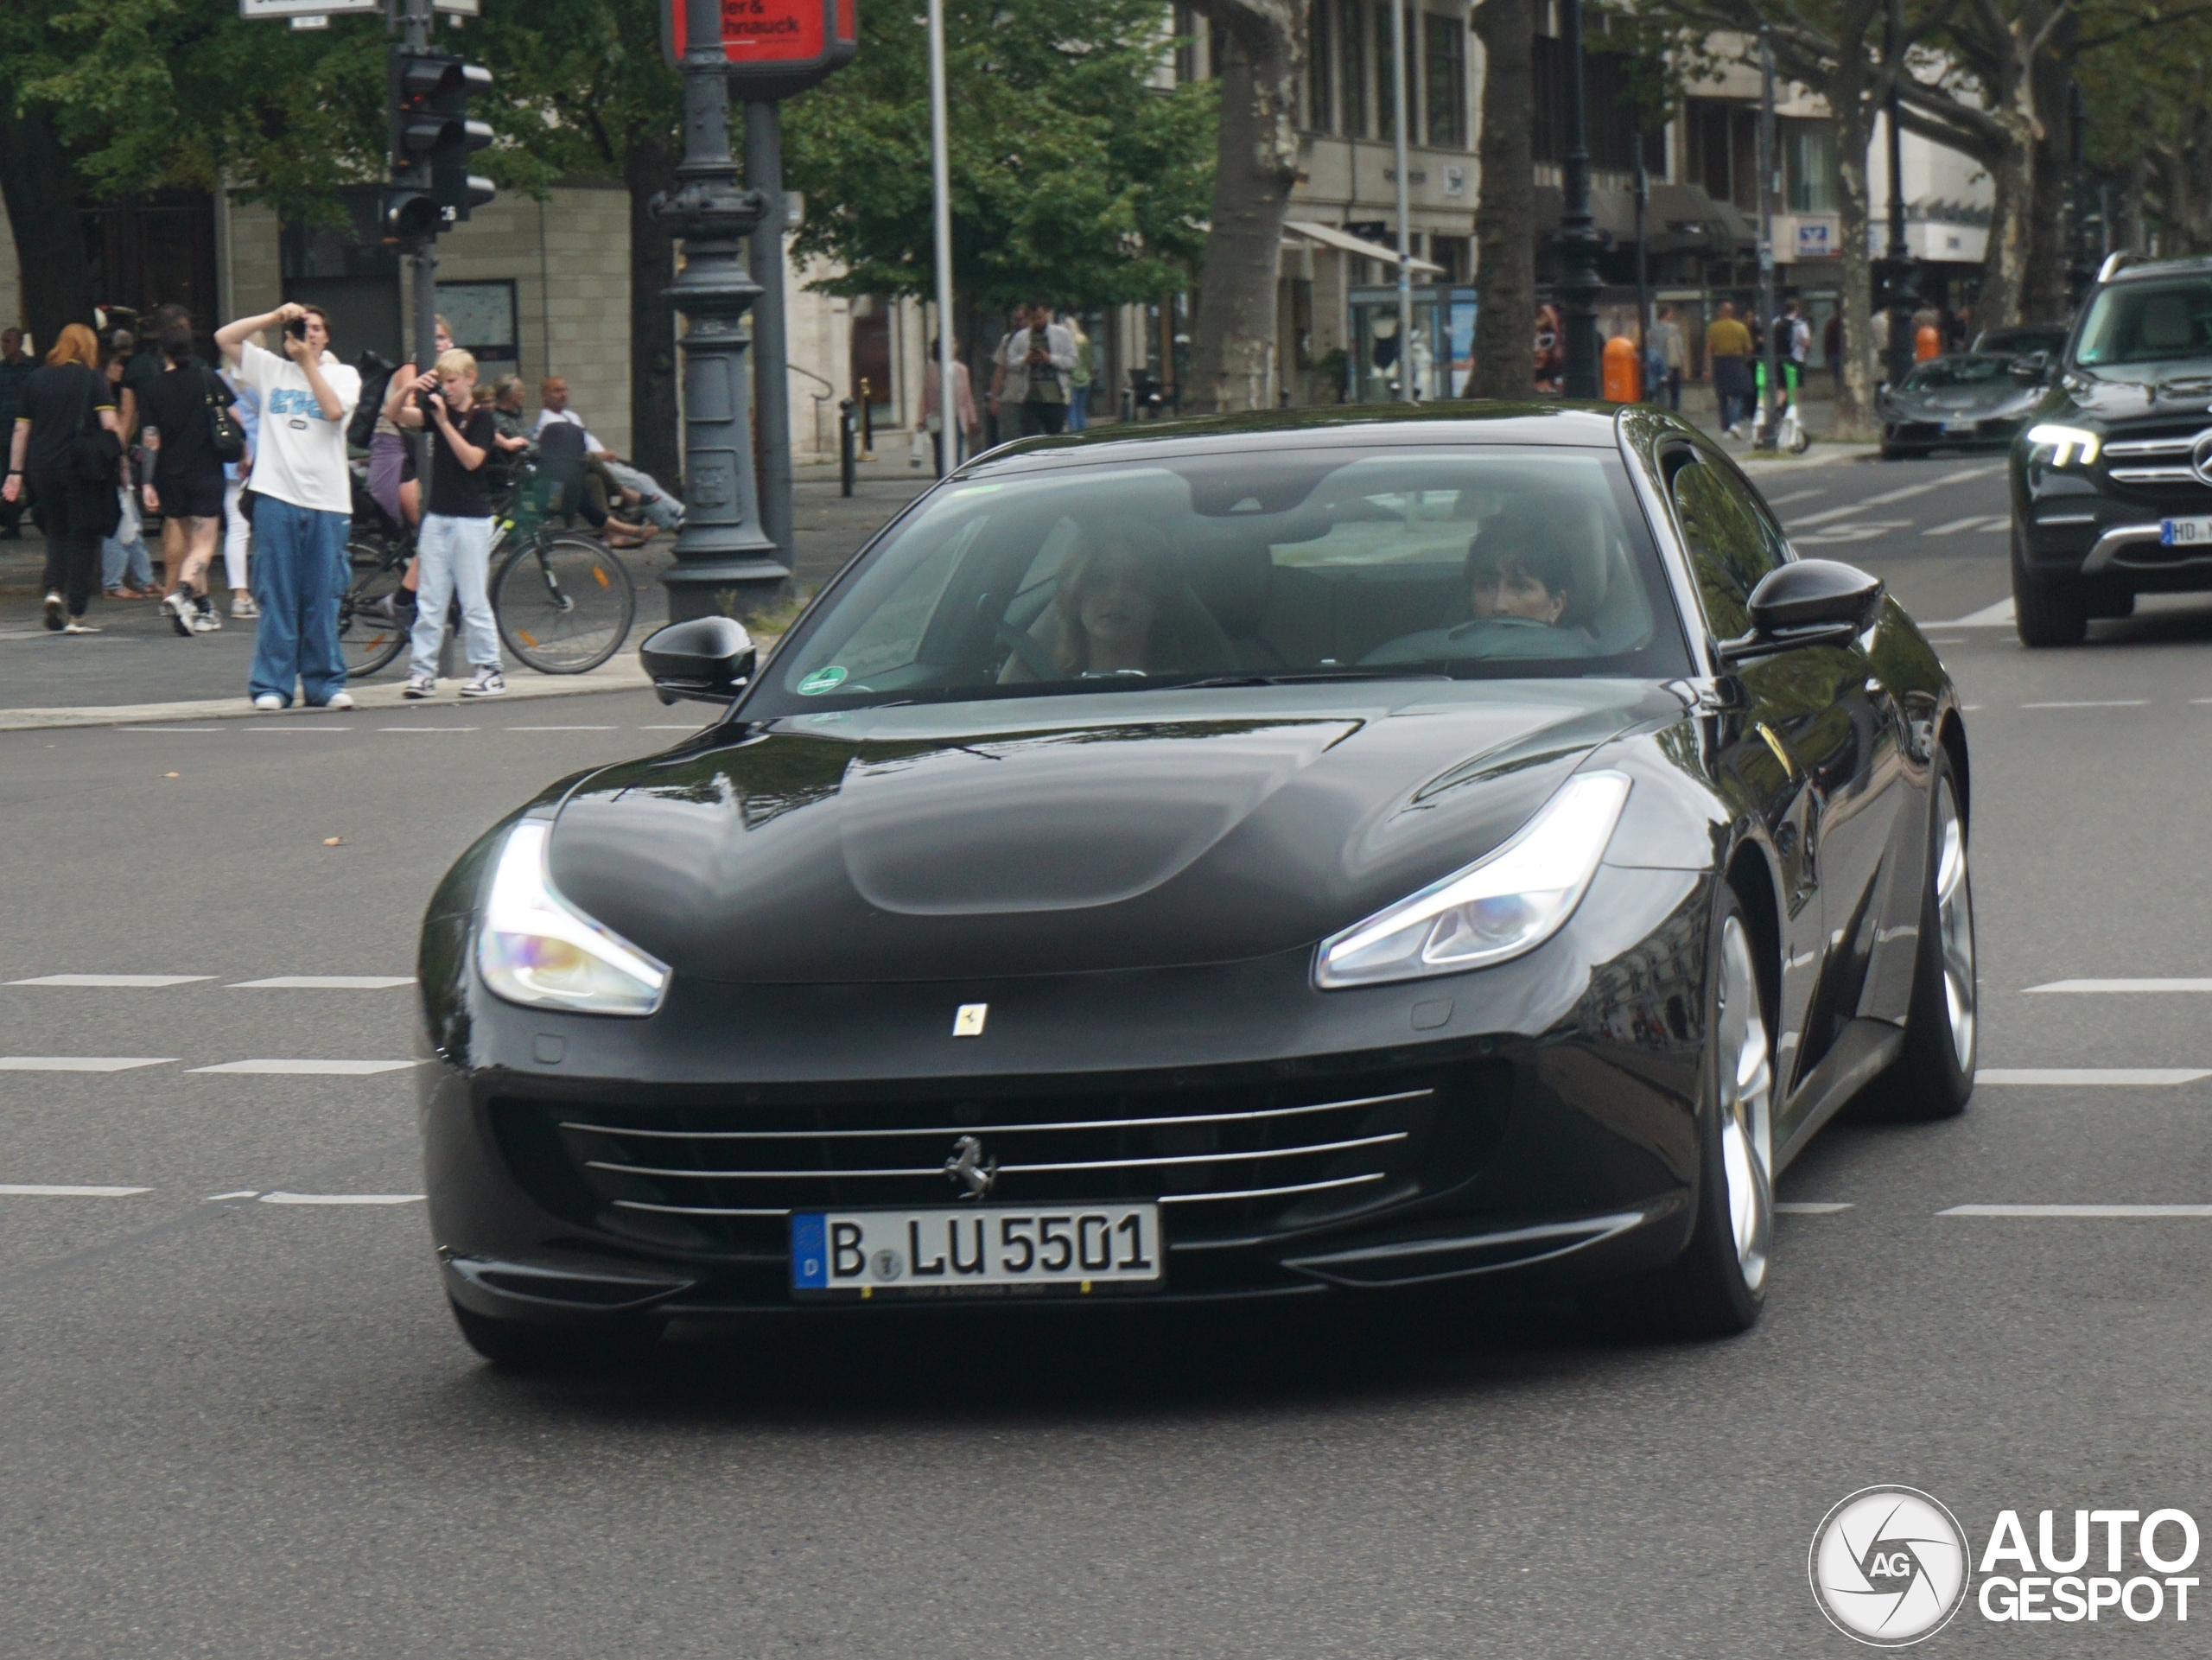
[(1223, 1163), (2153, 458)]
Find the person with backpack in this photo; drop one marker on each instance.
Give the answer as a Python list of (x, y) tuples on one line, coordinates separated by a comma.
[(187, 429), (66, 444)]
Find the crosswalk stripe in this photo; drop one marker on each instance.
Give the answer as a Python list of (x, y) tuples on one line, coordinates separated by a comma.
[(2123, 985), (80, 1063), (49, 1189), (341, 1199), (325, 983), (2093, 1077), (117, 981), (2130, 1211), (307, 1068)]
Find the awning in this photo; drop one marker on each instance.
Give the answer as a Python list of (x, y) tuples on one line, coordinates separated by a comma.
[(1329, 236)]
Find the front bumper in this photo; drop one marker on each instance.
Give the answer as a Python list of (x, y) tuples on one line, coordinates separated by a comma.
[(1537, 1119)]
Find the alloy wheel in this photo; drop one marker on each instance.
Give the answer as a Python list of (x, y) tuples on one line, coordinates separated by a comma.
[(1746, 1077), (1954, 923)]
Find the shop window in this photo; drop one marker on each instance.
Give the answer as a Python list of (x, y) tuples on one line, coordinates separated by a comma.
[(1809, 167), (1445, 49)]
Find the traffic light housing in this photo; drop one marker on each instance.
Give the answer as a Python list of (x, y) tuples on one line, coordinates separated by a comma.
[(432, 139)]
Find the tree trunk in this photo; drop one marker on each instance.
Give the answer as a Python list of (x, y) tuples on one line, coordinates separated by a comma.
[(649, 167), (2043, 297), (2004, 267), (1259, 46), (1505, 211), (40, 190), (1854, 402)]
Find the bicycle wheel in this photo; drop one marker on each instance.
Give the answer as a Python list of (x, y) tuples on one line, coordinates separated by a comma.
[(564, 605), (372, 632)]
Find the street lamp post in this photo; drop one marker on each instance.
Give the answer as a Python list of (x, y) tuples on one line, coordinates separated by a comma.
[(948, 406), (1406, 389), (724, 563), (1772, 356), (1579, 283), (1897, 270)]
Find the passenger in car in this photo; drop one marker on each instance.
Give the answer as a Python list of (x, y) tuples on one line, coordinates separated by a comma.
[(1120, 608)]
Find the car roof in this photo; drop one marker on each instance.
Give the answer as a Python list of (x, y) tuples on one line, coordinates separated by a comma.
[(2150, 269), (1582, 426)]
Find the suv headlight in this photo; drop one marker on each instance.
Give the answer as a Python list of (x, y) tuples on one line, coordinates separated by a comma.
[(2065, 442), (1505, 904), (533, 947)]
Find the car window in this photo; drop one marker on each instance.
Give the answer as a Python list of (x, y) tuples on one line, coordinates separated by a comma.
[(1478, 560), (2148, 322), (1732, 538)]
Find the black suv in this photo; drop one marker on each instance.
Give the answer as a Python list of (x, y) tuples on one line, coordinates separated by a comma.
[(2112, 481)]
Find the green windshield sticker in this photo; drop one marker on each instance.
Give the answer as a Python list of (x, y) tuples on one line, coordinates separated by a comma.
[(828, 677)]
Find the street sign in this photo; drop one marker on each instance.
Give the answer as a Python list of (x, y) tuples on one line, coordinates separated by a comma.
[(775, 47), (1815, 239)]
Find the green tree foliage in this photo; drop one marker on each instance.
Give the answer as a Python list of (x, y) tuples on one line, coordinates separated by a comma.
[(1073, 171)]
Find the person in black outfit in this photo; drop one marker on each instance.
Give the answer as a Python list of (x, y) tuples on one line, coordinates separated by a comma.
[(67, 397), (187, 487)]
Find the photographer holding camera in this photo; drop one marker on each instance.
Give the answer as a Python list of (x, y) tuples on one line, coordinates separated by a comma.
[(303, 502)]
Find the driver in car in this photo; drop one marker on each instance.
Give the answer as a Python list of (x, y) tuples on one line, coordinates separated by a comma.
[(1520, 590)]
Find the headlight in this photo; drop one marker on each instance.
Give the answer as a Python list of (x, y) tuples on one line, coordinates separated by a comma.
[(2065, 442), (1508, 903), (534, 948)]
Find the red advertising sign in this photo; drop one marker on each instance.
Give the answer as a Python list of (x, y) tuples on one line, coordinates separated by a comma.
[(775, 47)]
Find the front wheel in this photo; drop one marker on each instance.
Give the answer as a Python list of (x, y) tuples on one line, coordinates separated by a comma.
[(2046, 610), (564, 604)]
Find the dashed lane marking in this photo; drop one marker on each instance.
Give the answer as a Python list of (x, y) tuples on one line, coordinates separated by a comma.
[(1797, 495), (670, 728), (165, 730), (325, 983), (1999, 615), (341, 1199), (1905, 495), (1863, 530), (48, 1190), (2094, 703), (2141, 1212), (2122, 985), (1807, 1207), (561, 728), (243, 1192), (2093, 1077), (299, 728), (307, 1068), (117, 981), (1979, 522), (80, 1063), (426, 728)]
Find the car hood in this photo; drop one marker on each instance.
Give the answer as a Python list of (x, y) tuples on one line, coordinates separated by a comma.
[(2120, 395), (1997, 397), (1067, 835)]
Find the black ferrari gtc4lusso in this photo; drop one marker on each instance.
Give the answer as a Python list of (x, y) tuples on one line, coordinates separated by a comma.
[(1283, 856)]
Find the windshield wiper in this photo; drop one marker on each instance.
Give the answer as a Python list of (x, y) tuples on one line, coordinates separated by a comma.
[(1299, 677)]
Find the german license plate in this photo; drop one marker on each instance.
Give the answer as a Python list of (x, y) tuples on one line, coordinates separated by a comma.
[(998, 1250), (2184, 532)]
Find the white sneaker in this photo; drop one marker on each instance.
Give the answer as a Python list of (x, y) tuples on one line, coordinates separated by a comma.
[(79, 626), (180, 609), (242, 607), (420, 686), (56, 612), (268, 703), (206, 622), (338, 700), (485, 683)]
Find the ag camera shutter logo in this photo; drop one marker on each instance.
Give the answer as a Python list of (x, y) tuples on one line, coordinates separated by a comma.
[(1889, 1567)]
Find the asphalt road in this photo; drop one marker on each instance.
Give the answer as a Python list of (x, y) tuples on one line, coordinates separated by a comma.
[(235, 1418)]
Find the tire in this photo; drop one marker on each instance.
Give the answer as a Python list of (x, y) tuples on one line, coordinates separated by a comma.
[(2046, 611), (513, 1345), (1718, 1286), (2105, 602), (369, 638), (1934, 1076), (564, 604)]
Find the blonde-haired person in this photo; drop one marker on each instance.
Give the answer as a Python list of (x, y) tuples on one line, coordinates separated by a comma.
[(454, 548), (59, 402)]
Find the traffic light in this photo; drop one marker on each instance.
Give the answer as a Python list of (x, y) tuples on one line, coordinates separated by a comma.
[(432, 139)]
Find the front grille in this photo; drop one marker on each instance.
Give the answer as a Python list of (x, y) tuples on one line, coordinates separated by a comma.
[(1225, 1162)]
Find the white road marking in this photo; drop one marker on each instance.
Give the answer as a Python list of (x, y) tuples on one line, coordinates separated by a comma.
[(561, 728), (2132, 1210), (684, 728), (296, 728), (307, 1068), (243, 1192), (1904, 494), (1864, 530), (1999, 615), (1797, 495), (2093, 1077), (118, 981), (80, 1063), (325, 983), (42, 1190), (2094, 703), (1807, 1207), (165, 731), (1969, 709), (1980, 522), (342, 1199), (2123, 985), (426, 728)]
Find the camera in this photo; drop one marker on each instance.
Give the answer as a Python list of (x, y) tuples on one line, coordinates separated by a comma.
[(297, 329)]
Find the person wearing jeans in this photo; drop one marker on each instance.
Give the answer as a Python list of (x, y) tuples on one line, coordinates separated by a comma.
[(453, 547), (303, 503)]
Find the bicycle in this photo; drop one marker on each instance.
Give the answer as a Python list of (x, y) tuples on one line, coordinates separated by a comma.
[(564, 602)]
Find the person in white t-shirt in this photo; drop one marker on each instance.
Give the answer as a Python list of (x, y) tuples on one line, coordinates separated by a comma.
[(303, 502)]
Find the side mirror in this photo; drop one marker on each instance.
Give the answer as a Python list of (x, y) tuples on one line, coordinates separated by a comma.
[(709, 659), (1806, 602), (2032, 368)]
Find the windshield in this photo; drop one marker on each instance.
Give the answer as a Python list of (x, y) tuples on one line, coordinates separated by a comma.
[(2148, 322), (1231, 569), (1958, 371), (2018, 342)]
